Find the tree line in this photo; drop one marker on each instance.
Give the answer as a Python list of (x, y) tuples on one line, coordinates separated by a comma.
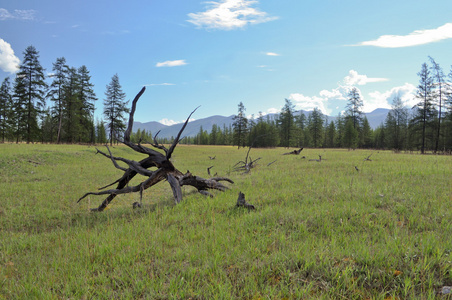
[(427, 126), (25, 117)]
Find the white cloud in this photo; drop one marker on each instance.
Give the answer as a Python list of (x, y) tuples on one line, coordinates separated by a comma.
[(229, 14), (171, 63), (406, 92), (415, 38), (272, 54), (356, 79), (168, 122), (273, 110), (309, 103), (159, 84), (8, 61), (28, 14)]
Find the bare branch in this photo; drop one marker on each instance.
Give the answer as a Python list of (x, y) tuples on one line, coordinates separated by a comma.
[(176, 140)]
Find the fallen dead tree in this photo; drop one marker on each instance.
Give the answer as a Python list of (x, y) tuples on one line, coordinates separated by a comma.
[(247, 165), (163, 169), (295, 152)]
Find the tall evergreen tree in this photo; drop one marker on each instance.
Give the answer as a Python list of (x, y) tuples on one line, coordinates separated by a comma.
[(315, 127), (86, 98), (365, 132), (115, 108), (56, 92), (440, 85), (425, 107), (354, 106), (240, 127), (71, 106), (32, 74), (396, 125), (18, 119), (286, 123), (5, 109), (330, 135)]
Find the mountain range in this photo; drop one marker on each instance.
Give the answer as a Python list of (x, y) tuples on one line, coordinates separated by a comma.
[(375, 118)]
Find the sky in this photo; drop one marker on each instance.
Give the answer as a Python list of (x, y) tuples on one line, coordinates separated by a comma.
[(216, 54)]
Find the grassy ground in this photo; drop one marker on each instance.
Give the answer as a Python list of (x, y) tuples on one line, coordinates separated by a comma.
[(320, 230)]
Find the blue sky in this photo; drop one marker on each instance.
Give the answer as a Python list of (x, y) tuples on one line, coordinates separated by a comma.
[(219, 53)]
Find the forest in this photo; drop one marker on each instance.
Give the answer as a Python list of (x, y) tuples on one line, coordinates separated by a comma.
[(59, 108)]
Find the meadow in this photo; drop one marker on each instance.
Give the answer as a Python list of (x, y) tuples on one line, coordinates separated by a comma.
[(320, 230)]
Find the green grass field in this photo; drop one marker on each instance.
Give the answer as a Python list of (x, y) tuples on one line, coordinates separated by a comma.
[(319, 231)]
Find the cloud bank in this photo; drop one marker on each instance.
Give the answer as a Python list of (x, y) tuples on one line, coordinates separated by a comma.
[(416, 38), (8, 61), (229, 15)]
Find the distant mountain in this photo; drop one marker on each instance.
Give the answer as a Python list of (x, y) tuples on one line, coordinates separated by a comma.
[(375, 118), (192, 128)]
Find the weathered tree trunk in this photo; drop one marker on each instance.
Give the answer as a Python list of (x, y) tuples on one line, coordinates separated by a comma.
[(295, 152), (165, 170)]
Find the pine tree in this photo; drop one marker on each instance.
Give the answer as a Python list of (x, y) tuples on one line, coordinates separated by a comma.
[(315, 127), (240, 127), (56, 92), (115, 108), (353, 108), (5, 109), (18, 119), (330, 135), (32, 75), (396, 125), (365, 134), (86, 99), (425, 107), (286, 122), (440, 86)]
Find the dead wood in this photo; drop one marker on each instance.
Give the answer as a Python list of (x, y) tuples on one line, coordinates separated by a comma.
[(208, 170), (295, 152), (317, 160), (368, 158), (246, 165), (163, 168), (241, 202)]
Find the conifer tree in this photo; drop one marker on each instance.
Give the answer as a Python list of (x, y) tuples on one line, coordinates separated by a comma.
[(354, 106), (86, 99), (5, 109), (315, 127), (32, 82), (440, 85), (56, 92), (396, 125), (240, 127), (286, 122), (115, 108), (425, 108)]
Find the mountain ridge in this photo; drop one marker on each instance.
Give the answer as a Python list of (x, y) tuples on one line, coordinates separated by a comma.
[(375, 118)]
